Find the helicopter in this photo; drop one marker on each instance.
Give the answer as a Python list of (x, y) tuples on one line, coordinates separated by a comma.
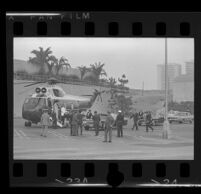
[(46, 95)]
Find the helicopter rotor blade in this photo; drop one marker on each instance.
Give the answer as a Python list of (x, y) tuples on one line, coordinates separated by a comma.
[(23, 83), (33, 84)]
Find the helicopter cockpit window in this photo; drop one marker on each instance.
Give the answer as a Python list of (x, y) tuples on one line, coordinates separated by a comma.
[(58, 93), (33, 102)]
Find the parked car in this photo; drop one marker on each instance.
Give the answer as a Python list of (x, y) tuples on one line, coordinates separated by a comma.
[(181, 117), (155, 121), (89, 124)]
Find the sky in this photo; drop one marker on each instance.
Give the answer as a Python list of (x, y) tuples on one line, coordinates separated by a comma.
[(137, 58)]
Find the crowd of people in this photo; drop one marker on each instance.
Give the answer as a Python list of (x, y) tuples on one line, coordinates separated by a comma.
[(59, 116)]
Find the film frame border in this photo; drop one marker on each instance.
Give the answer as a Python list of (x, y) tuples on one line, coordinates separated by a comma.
[(137, 173)]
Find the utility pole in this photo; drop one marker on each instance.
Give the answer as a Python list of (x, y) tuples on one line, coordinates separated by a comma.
[(142, 88), (166, 125)]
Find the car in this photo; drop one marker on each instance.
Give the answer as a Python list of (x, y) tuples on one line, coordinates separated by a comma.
[(181, 117), (89, 124), (155, 121)]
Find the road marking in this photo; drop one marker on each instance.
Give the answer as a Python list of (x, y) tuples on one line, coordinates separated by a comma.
[(23, 134), (18, 134), (57, 134)]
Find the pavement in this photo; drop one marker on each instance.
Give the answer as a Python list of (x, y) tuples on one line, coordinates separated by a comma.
[(135, 145)]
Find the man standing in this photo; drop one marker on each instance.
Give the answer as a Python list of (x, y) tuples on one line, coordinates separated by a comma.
[(54, 120), (108, 126), (119, 123), (89, 115), (135, 117), (96, 120), (148, 121), (63, 111), (80, 121), (75, 125), (70, 117), (45, 122), (56, 112)]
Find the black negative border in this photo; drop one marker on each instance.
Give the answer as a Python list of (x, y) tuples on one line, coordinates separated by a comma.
[(101, 20)]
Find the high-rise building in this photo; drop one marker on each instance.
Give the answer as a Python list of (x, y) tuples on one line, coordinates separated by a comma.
[(183, 86), (174, 70), (189, 66)]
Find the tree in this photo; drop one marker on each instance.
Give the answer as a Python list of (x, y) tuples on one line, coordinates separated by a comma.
[(83, 71), (97, 70), (61, 63), (51, 63), (124, 103), (112, 81), (41, 58)]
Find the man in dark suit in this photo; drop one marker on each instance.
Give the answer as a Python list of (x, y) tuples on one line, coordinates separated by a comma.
[(108, 127), (149, 121), (119, 123), (135, 117), (80, 121), (96, 120), (89, 115)]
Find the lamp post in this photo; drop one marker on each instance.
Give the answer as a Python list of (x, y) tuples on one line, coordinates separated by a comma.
[(142, 88), (166, 125)]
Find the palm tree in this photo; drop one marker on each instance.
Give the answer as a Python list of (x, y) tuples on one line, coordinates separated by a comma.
[(83, 71), (61, 63), (41, 58), (112, 81), (51, 63), (98, 71)]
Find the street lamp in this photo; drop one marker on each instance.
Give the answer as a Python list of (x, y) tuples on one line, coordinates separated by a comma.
[(166, 125)]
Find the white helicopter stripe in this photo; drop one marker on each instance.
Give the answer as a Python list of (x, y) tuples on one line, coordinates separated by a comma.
[(72, 98)]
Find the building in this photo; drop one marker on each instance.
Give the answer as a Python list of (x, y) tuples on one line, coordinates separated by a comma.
[(183, 88), (189, 66), (174, 70), (183, 85)]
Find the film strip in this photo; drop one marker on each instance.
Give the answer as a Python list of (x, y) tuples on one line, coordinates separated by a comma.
[(96, 172)]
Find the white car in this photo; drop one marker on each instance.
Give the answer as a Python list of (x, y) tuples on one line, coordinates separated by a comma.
[(181, 117)]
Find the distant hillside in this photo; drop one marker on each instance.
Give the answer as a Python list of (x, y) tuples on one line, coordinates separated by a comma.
[(146, 92)]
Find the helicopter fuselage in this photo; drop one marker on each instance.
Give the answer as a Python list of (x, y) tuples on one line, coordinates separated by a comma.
[(45, 97)]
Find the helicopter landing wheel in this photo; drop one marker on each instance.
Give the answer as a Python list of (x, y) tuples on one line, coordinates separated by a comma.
[(27, 123)]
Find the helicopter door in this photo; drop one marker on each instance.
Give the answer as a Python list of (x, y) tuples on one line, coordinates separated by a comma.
[(49, 103)]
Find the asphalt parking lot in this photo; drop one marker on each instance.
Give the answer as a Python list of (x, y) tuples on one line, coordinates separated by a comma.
[(135, 145)]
